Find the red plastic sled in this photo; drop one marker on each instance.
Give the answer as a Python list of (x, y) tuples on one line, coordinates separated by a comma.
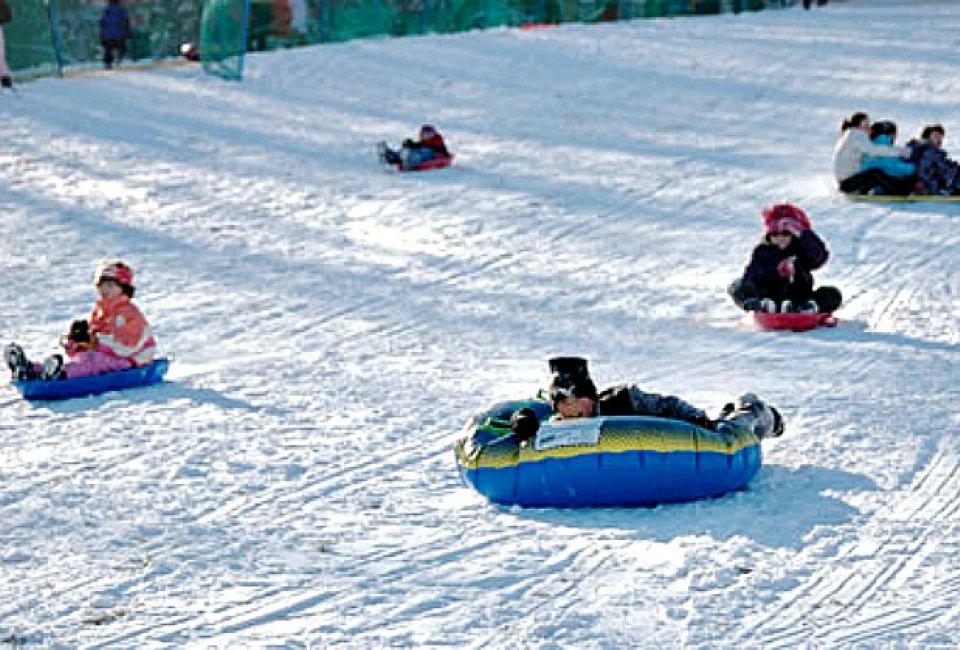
[(795, 322), (434, 163)]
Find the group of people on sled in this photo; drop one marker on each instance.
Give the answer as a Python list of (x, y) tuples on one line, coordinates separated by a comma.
[(867, 160)]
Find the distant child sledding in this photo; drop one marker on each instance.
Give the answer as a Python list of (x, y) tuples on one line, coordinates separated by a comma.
[(116, 336), (779, 278), (428, 152)]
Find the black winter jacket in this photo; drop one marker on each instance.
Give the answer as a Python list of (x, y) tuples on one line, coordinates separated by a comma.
[(628, 399), (935, 169), (810, 253)]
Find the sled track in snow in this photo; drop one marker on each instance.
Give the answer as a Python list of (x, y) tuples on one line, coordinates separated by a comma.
[(842, 606), (298, 594), (901, 300)]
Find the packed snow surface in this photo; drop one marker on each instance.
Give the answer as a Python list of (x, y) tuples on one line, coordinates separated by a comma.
[(334, 323)]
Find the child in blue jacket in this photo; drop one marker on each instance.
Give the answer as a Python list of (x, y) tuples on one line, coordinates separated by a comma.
[(885, 132)]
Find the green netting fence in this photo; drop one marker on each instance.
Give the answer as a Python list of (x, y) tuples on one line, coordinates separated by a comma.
[(273, 24), (47, 35), (29, 39)]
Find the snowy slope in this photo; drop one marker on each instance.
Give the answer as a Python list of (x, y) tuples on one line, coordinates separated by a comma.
[(334, 324)]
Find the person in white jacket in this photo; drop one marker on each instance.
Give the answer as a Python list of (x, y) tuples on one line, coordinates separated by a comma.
[(853, 145)]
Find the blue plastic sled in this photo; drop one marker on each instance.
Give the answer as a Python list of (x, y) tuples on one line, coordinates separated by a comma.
[(42, 389)]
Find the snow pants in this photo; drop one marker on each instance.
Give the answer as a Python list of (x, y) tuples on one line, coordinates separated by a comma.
[(877, 179), (94, 362), (114, 49)]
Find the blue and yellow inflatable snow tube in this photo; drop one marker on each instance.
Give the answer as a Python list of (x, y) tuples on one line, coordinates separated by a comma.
[(601, 462)]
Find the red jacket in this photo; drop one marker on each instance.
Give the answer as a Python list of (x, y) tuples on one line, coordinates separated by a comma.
[(118, 327), (436, 143)]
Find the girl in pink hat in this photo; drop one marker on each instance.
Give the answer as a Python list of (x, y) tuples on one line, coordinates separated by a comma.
[(779, 277)]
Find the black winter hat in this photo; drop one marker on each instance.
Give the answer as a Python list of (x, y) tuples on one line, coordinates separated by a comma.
[(570, 377), (883, 127)]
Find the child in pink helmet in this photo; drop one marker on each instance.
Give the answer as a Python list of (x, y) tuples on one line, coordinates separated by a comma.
[(115, 336), (779, 277)]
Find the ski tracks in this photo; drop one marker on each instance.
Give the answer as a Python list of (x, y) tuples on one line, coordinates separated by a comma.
[(910, 293), (858, 596)]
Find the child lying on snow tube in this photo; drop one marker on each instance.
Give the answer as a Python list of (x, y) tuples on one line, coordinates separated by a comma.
[(414, 154), (115, 337), (779, 276), (574, 395)]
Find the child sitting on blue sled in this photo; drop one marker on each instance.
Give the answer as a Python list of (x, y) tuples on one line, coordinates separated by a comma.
[(413, 154), (779, 276), (116, 336)]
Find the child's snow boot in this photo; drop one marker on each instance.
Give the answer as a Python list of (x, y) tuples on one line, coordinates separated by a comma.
[(778, 425), (53, 368), (809, 307), (17, 362), (765, 421), (387, 155)]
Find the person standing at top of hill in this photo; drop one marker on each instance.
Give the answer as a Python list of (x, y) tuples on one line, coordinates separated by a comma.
[(6, 15), (114, 32), (853, 145)]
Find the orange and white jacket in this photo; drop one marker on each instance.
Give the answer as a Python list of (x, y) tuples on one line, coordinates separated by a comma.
[(121, 329)]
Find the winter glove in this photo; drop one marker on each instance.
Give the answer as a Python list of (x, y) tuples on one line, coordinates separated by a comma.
[(409, 144), (525, 424), (78, 339), (786, 267), (79, 331)]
